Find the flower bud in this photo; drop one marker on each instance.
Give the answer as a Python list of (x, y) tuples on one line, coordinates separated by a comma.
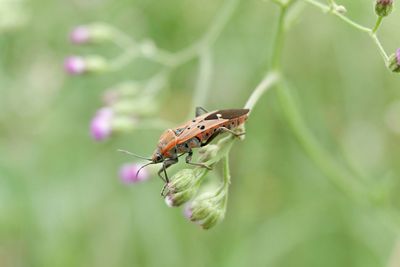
[(206, 210), (123, 124), (394, 61), (383, 7), (340, 9), (128, 173), (183, 186), (101, 124), (76, 65), (140, 106), (93, 33), (119, 91)]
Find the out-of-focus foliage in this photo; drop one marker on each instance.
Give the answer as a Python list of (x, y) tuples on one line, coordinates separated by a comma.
[(61, 203)]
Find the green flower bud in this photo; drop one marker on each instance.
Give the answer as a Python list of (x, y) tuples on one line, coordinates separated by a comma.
[(394, 61), (92, 33), (183, 186), (96, 64), (212, 219), (177, 199), (207, 210), (383, 7), (140, 106), (123, 124)]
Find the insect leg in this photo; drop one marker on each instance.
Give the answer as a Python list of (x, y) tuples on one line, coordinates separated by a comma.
[(189, 159), (224, 129), (212, 137), (167, 163), (200, 111)]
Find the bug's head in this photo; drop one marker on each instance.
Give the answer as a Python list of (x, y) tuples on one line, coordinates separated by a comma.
[(157, 156)]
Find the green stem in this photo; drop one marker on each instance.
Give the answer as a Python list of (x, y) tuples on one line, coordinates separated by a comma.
[(380, 47), (339, 177), (329, 9), (227, 178), (279, 40), (209, 37), (377, 24), (322, 159), (169, 59), (269, 80), (202, 88), (371, 32)]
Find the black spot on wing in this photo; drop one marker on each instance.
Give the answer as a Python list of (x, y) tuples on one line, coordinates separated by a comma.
[(227, 114)]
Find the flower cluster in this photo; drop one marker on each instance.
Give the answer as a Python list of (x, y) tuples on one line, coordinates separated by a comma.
[(208, 207), (127, 104)]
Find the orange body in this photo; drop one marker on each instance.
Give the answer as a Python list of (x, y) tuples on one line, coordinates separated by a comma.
[(198, 132)]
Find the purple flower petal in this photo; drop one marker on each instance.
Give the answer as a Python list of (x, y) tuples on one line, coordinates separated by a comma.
[(101, 124), (128, 173), (80, 35), (398, 56), (187, 211), (169, 201), (75, 65)]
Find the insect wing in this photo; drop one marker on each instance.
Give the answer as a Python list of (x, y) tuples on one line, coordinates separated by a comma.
[(198, 127)]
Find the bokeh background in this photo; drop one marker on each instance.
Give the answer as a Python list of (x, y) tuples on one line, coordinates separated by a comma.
[(62, 203)]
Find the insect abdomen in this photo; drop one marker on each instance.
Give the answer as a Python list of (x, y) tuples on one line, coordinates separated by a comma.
[(188, 145)]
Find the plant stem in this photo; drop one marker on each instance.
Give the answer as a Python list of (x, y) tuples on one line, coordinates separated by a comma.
[(203, 79), (279, 39), (380, 47), (371, 33), (377, 24), (269, 80), (169, 59), (209, 37), (338, 176), (328, 9), (227, 177)]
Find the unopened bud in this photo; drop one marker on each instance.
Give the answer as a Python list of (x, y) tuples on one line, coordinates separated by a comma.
[(206, 210), (76, 65), (183, 186), (123, 124), (92, 33), (340, 9), (394, 61), (383, 7)]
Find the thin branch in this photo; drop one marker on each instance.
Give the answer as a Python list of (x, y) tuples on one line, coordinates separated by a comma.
[(269, 80), (203, 79), (328, 9)]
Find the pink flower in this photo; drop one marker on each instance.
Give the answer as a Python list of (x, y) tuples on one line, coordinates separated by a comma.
[(75, 65), (128, 173), (80, 35), (398, 56), (187, 211), (101, 124)]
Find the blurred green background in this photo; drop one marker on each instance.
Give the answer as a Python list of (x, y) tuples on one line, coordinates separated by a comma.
[(62, 203)]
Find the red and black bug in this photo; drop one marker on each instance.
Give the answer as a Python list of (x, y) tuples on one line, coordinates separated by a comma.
[(195, 133)]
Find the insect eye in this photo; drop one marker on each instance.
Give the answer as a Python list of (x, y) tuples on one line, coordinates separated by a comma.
[(158, 158)]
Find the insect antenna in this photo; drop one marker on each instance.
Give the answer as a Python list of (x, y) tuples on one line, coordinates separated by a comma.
[(133, 154), (147, 164)]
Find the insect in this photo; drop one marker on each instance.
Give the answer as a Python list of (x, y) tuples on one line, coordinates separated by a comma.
[(195, 133)]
